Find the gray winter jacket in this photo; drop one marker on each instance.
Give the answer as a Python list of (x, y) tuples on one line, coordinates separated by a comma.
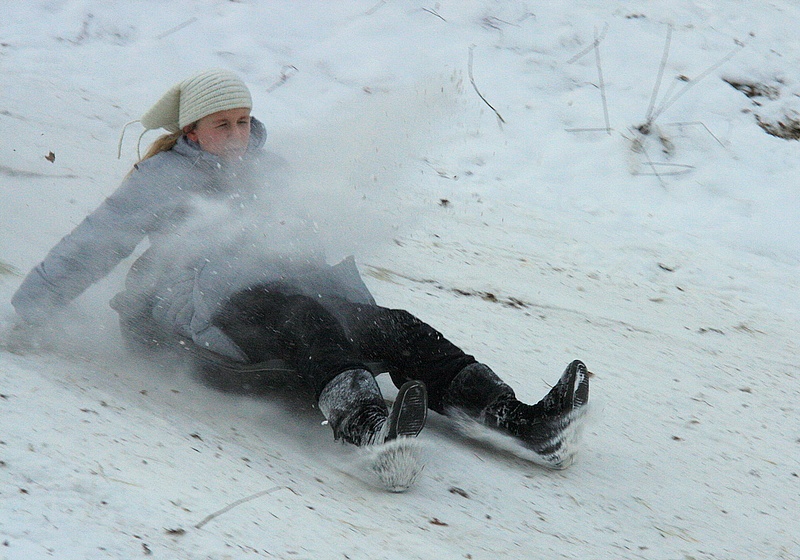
[(214, 228)]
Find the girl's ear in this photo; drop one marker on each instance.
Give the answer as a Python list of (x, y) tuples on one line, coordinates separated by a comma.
[(190, 132)]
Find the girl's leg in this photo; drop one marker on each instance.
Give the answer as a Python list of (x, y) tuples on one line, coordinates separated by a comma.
[(456, 382), (267, 323), (410, 349)]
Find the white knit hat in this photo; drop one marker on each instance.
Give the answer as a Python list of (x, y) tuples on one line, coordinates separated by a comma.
[(192, 99)]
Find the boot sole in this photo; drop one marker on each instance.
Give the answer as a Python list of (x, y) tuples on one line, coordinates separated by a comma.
[(570, 392), (581, 387), (409, 412)]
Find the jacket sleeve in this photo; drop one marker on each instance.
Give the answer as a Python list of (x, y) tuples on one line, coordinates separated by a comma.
[(95, 246)]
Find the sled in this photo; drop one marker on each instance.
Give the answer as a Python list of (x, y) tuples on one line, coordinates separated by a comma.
[(230, 375)]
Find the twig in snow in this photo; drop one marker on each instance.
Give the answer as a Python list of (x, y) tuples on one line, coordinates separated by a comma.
[(7, 269), (680, 169), (375, 8), (638, 146), (602, 83), (659, 76), (238, 503), (587, 50), (286, 73), (186, 23), (698, 123), (491, 22), (595, 46), (475, 87), (435, 13), (590, 129), (666, 104)]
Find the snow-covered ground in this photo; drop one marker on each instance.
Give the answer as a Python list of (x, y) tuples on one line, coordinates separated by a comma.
[(667, 261)]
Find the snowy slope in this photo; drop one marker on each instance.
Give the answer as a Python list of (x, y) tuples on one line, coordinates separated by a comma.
[(668, 262)]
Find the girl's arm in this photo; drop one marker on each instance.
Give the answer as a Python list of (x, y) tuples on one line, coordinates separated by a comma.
[(94, 247)]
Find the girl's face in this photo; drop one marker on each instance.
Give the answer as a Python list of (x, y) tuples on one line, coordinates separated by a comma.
[(224, 133)]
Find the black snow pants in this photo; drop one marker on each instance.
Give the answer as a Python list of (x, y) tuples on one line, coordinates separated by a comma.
[(322, 337)]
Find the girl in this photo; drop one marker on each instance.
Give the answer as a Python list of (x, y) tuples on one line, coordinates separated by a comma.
[(234, 272)]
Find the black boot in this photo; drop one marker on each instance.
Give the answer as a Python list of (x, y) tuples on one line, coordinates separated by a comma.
[(354, 407), (542, 427), (473, 389)]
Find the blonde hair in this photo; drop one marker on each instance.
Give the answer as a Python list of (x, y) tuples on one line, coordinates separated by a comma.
[(163, 143)]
